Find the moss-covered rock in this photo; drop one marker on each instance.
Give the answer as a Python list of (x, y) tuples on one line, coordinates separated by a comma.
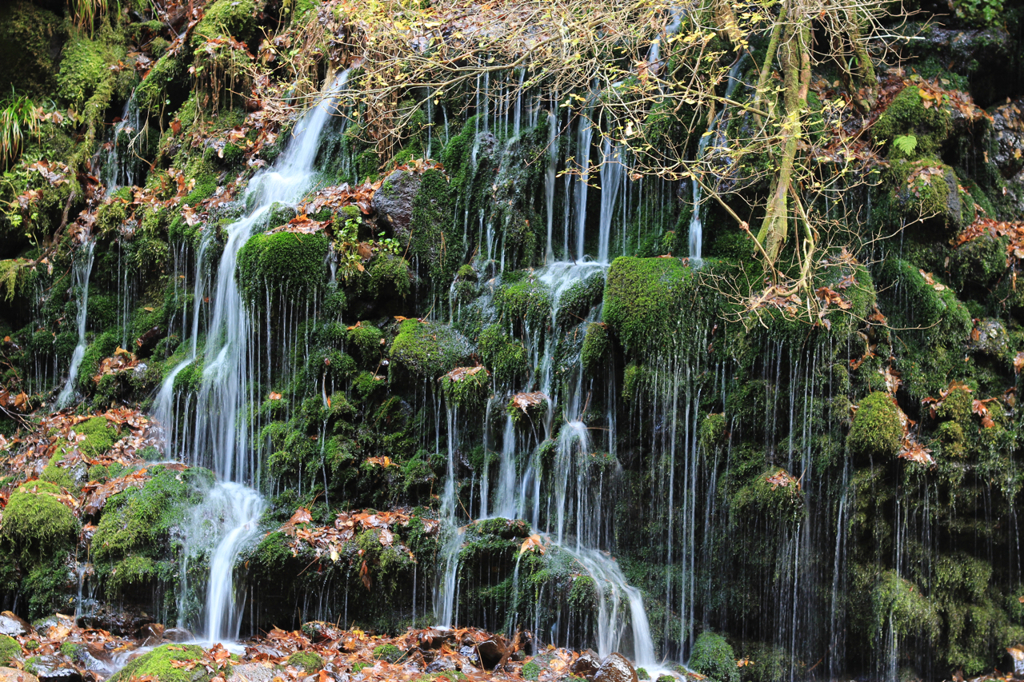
[(466, 387), (289, 264), (907, 115), (36, 525), (159, 665), (713, 657), (526, 303), (642, 299), (428, 350), (29, 36), (306, 661), (223, 18), (506, 358), (9, 650), (596, 347), (876, 430)]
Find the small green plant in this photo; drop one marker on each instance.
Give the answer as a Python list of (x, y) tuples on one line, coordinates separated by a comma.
[(19, 118), (905, 143), (85, 12)]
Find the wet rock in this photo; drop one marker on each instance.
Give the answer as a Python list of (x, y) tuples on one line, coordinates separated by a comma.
[(55, 668), (267, 650), (124, 621), (616, 668), (469, 669), (989, 337), (1008, 131), (393, 201), (12, 675), (57, 626), (253, 672), (586, 665), (178, 635), (470, 653), (433, 639), (151, 634), (321, 631), (441, 665), (492, 652), (14, 626), (147, 341)]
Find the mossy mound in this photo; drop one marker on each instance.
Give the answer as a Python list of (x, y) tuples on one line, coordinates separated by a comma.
[(466, 387), (9, 650), (596, 347), (907, 115), (433, 238), (235, 18), (524, 303), (289, 264), (876, 430), (428, 350), (506, 358), (388, 652), (713, 657), (100, 436), (28, 35), (158, 664), (35, 523), (642, 299), (307, 661)]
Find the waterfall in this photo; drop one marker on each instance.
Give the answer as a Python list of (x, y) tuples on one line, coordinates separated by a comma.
[(611, 178), (221, 436), (80, 275), (696, 237), (583, 137), (119, 168)]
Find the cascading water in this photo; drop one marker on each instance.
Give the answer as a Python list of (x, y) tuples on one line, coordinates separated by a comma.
[(81, 272), (221, 435), (715, 134)]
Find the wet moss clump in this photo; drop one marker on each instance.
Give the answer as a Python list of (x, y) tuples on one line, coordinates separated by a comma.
[(307, 661), (290, 265), (223, 18), (524, 303), (159, 664), (907, 115), (506, 358), (36, 525), (596, 347), (100, 436), (713, 657), (428, 349), (9, 650), (388, 652), (433, 238), (468, 390), (642, 299), (876, 430)]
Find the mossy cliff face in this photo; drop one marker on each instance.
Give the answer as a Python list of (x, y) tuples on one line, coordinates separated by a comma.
[(789, 476)]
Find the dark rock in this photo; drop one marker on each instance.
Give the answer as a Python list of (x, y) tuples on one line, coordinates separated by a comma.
[(13, 626), (147, 341), (491, 652), (433, 639), (124, 621), (989, 337), (616, 668), (393, 201), (151, 634), (56, 668), (470, 653), (586, 665), (178, 635), (1008, 132)]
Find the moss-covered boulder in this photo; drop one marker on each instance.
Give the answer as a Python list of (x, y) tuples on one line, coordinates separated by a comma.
[(525, 304), (36, 525), (713, 657), (908, 116), (223, 18), (9, 650), (306, 661), (288, 264), (505, 357), (876, 430), (642, 299), (158, 664), (428, 350), (596, 347), (30, 38), (466, 386)]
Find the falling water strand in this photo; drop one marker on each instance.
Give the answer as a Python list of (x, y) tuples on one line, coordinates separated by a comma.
[(82, 271)]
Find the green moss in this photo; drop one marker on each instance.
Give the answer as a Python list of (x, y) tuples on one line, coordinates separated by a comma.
[(507, 359), (151, 94), (957, 407), (307, 661), (906, 115), (899, 603), (712, 430), (576, 302), (59, 477), (74, 650), (28, 36), (84, 64), (389, 277), (428, 350), (596, 347), (289, 264), (761, 497), (713, 657), (368, 342), (235, 18), (531, 670), (641, 674), (9, 650), (103, 346), (642, 299), (876, 430), (131, 571), (433, 238), (100, 436), (929, 190), (158, 665), (388, 652), (35, 524), (526, 302), (468, 390)]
